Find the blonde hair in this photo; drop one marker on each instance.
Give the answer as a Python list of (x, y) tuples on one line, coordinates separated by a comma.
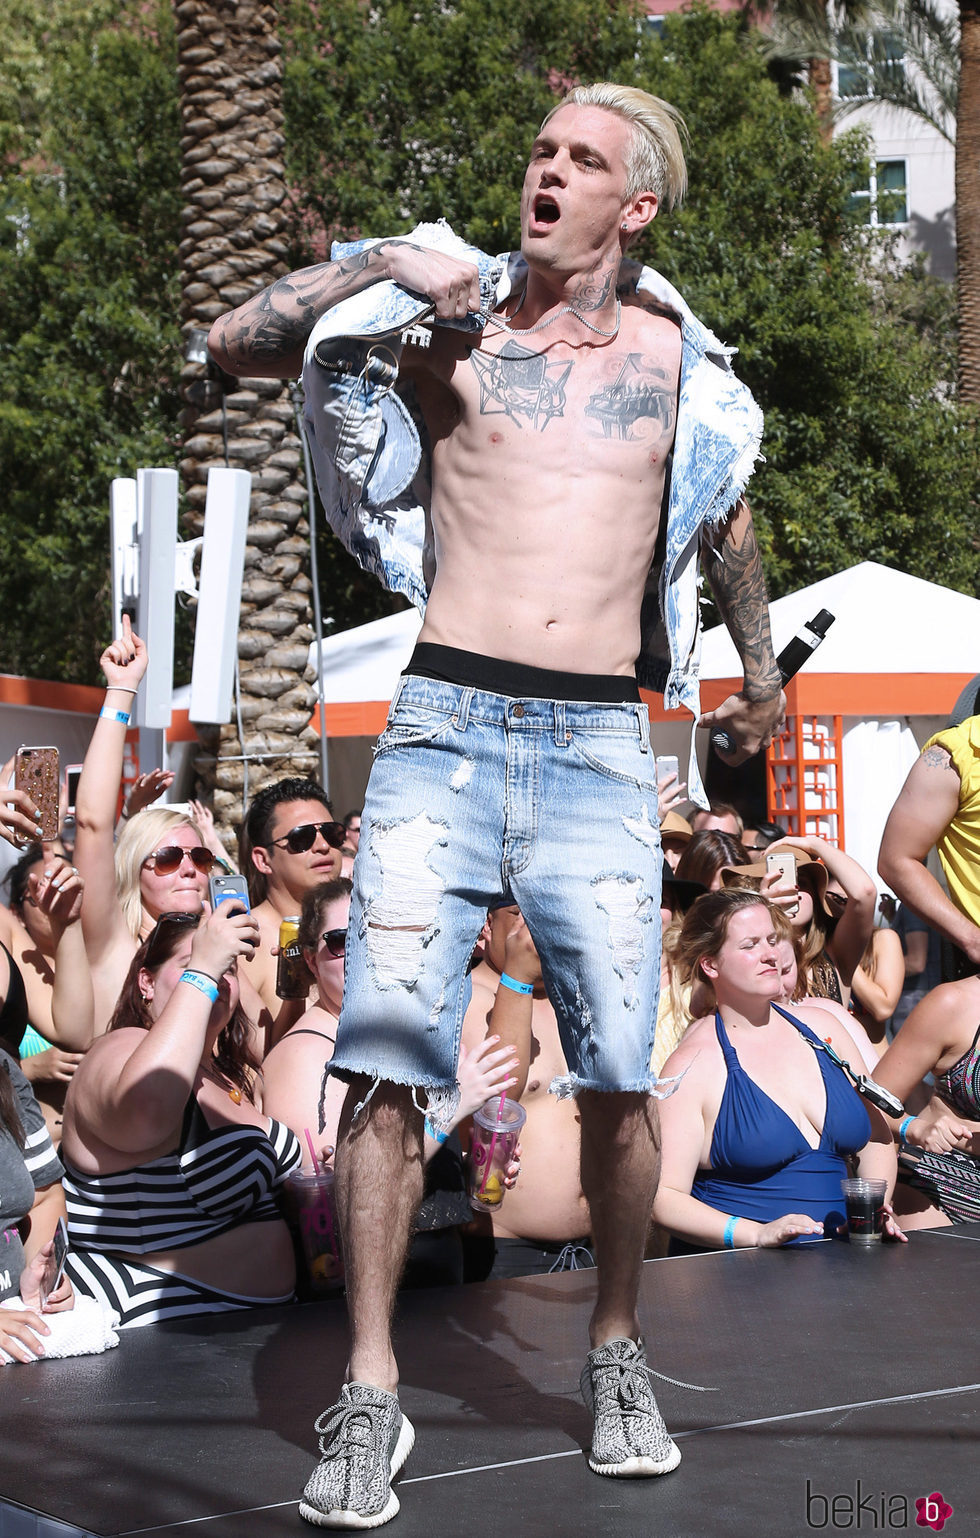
[(656, 159), (139, 838)]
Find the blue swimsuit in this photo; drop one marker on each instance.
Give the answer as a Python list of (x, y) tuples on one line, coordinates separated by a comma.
[(762, 1166)]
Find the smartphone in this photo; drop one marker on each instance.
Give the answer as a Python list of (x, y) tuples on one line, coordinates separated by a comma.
[(36, 772), (226, 889), (55, 1267), (784, 861), (666, 765), (73, 774)]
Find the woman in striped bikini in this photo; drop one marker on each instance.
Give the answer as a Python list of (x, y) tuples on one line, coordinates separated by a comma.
[(939, 1149), (171, 1169)]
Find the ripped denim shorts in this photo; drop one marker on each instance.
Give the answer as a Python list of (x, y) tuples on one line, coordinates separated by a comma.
[(479, 798)]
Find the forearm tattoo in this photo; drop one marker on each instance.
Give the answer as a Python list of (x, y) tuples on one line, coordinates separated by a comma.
[(279, 320), (733, 568)]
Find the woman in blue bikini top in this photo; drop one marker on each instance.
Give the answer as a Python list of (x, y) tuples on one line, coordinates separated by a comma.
[(762, 1126)]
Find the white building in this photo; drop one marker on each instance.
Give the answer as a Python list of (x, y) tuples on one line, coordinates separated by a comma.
[(911, 183)]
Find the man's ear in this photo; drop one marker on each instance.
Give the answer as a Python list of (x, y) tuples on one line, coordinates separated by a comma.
[(260, 859), (639, 212)]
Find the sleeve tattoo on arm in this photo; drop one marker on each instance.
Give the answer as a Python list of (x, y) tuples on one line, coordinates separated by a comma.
[(733, 567), (280, 319)]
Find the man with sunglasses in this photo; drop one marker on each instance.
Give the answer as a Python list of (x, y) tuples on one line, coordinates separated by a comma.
[(290, 843)]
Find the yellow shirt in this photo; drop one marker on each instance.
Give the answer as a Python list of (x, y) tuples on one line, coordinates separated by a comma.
[(959, 846)]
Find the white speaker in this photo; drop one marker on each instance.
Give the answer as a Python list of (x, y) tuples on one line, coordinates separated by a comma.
[(219, 594), (156, 502), (125, 549)]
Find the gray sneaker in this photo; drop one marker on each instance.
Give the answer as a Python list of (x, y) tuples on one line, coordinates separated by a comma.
[(629, 1438), (364, 1440)]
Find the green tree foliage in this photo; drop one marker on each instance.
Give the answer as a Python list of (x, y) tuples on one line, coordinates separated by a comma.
[(88, 304), (411, 111), (397, 112)]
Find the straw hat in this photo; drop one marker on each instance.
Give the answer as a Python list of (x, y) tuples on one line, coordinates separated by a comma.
[(676, 826), (809, 873)]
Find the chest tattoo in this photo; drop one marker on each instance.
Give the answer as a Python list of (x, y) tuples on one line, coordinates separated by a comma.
[(521, 385), (640, 390)]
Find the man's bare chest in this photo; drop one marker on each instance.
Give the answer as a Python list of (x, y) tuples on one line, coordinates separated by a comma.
[(622, 394)]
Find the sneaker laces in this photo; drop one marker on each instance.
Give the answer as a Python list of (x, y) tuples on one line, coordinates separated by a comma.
[(568, 1258), (353, 1427), (634, 1381)]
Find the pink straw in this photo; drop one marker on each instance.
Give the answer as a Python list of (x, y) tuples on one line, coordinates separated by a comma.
[(331, 1236), (493, 1141)]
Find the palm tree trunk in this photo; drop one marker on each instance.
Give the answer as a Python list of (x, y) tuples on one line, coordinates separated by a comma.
[(234, 243), (968, 203)]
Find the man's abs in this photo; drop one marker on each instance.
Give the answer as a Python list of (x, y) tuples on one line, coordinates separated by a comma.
[(549, 469)]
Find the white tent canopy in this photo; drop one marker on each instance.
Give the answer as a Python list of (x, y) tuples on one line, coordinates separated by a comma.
[(885, 622), (364, 663)]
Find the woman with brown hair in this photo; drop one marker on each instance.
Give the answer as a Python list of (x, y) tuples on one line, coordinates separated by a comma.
[(761, 1124), (171, 1168)]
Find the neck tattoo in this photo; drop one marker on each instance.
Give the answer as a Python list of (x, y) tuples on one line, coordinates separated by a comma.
[(566, 309)]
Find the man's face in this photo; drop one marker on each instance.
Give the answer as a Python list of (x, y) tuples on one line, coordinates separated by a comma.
[(710, 822), (298, 872), (574, 195)]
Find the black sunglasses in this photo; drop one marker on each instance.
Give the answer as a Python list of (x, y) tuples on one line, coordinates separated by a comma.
[(299, 840), (159, 937), (335, 941), (166, 861)]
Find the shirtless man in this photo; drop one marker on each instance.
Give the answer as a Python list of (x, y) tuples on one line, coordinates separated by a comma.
[(517, 746), (290, 843)]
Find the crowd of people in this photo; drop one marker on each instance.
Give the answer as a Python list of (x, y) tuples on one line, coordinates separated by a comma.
[(157, 1091)]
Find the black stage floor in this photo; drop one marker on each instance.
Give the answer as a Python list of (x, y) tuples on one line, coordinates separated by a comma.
[(843, 1385)]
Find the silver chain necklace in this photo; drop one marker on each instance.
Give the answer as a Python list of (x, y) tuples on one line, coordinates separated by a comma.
[(567, 309)]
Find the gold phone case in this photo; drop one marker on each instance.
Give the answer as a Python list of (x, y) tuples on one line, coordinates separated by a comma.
[(36, 772)]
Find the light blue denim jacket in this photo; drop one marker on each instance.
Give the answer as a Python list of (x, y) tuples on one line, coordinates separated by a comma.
[(366, 442)]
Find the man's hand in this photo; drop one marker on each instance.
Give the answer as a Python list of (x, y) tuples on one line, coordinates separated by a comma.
[(751, 724), (451, 284)]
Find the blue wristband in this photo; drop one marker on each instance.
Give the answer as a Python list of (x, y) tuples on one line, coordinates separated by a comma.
[(115, 715), (514, 985), (202, 983), (903, 1129), (435, 1132), (730, 1233)]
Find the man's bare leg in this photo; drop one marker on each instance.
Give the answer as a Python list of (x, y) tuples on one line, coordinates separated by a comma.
[(620, 1170), (379, 1187)]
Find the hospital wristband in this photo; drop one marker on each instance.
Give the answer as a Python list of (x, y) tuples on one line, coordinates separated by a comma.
[(115, 715), (730, 1233), (903, 1129), (434, 1132), (514, 985), (202, 983)]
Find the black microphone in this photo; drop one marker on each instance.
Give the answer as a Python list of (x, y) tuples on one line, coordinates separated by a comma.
[(792, 657)]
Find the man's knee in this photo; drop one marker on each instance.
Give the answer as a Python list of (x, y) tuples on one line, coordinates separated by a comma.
[(618, 1117)]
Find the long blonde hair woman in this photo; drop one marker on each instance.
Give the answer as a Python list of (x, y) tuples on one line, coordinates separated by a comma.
[(160, 864)]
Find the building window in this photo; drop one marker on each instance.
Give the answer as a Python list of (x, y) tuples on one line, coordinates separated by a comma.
[(872, 53), (885, 199)]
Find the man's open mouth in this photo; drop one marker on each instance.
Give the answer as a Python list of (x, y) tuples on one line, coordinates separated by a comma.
[(546, 210)]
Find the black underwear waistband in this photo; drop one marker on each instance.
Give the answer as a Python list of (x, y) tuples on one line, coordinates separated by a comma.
[(470, 670)]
